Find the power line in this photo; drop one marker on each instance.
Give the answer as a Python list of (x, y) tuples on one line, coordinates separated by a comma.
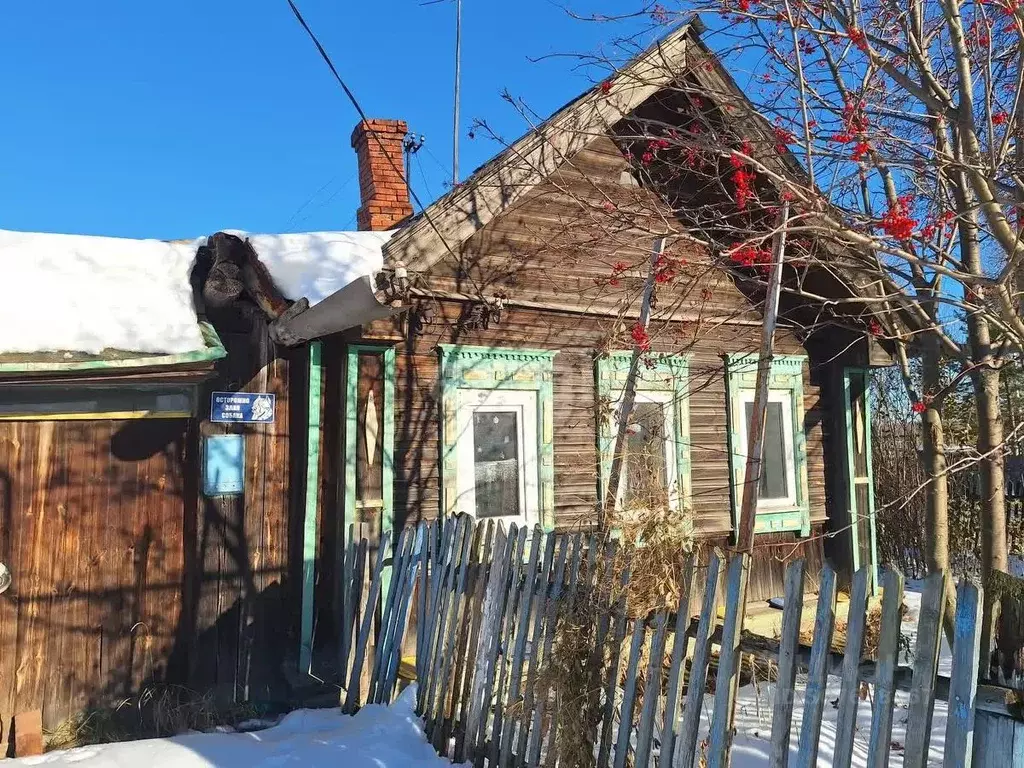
[(316, 194), (423, 176), (362, 116)]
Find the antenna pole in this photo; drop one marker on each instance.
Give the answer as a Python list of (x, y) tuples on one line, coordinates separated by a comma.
[(458, 79)]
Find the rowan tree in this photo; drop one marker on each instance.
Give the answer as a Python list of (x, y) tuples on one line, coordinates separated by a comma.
[(892, 128)]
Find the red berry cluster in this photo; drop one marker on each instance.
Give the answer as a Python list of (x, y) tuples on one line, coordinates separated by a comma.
[(897, 222), (640, 337)]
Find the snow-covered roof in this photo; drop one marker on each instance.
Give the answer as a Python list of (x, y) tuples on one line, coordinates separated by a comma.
[(88, 294), (316, 265)]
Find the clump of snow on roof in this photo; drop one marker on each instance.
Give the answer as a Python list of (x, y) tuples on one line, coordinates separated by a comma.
[(315, 265), (81, 293), (376, 737)]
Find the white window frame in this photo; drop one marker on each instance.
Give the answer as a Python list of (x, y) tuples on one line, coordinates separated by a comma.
[(667, 400), (785, 397), (524, 404)]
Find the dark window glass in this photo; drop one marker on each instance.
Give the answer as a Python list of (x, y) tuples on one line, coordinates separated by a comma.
[(496, 463), (774, 482), (646, 476)]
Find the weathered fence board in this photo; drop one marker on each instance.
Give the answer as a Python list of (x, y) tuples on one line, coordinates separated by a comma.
[(963, 684), (687, 744), (519, 650), (675, 674), (720, 738), (849, 690), (785, 684), (608, 709), (817, 675), (885, 670), (926, 662), (494, 607)]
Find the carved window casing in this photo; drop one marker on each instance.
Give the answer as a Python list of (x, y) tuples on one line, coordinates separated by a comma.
[(497, 433)]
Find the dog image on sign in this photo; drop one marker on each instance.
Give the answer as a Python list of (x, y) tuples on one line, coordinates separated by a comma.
[(262, 409)]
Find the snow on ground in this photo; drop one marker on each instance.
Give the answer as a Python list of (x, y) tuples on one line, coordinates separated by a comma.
[(754, 710), (376, 737), (392, 737), (86, 294), (315, 265)]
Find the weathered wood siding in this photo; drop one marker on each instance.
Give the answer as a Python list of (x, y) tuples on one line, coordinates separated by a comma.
[(93, 520), (126, 576), (552, 256), (245, 584), (575, 398)]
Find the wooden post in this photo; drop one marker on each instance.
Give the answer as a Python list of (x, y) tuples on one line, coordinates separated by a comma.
[(755, 432), (629, 392)]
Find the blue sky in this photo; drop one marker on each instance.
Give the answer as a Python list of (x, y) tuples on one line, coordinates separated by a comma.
[(175, 119)]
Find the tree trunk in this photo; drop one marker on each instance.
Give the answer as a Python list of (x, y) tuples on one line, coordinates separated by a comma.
[(985, 378), (934, 458), (994, 555)]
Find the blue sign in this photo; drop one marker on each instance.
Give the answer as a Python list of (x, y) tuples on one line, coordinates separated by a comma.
[(224, 465), (242, 407)]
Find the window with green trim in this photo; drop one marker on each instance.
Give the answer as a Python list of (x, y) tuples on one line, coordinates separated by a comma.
[(782, 495), (656, 461), (497, 435)]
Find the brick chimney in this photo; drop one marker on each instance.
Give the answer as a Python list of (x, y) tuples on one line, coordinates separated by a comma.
[(383, 190)]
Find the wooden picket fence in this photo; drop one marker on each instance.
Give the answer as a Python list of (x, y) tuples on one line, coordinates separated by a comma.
[(488, 604), (374, 616)]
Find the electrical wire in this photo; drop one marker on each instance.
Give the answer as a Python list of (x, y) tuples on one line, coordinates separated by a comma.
[(362, 116), (316, 194), (423, 175)]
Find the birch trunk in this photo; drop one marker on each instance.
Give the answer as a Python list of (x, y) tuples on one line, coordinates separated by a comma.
[(994, 554), (934, 459)]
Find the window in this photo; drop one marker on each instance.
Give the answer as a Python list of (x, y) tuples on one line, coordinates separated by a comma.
[(97, 401), (777, 486), (497, 450), (649, 473), (782, 494), (656, 458), (497, 435)]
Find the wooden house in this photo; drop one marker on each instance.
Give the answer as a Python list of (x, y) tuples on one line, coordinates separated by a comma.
[(179, 518)]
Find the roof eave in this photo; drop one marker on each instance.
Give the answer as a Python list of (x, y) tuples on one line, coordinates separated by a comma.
[(211, 352), (503, 181)]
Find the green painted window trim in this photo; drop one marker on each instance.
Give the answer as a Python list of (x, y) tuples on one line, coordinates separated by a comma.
[(657, 373), (309, 529), (848, 374), (467, 367), (213, 350), (786, 375)]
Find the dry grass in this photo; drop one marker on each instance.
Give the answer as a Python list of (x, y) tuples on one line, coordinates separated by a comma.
[(159, 711), (653, 547), (655, 543)]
